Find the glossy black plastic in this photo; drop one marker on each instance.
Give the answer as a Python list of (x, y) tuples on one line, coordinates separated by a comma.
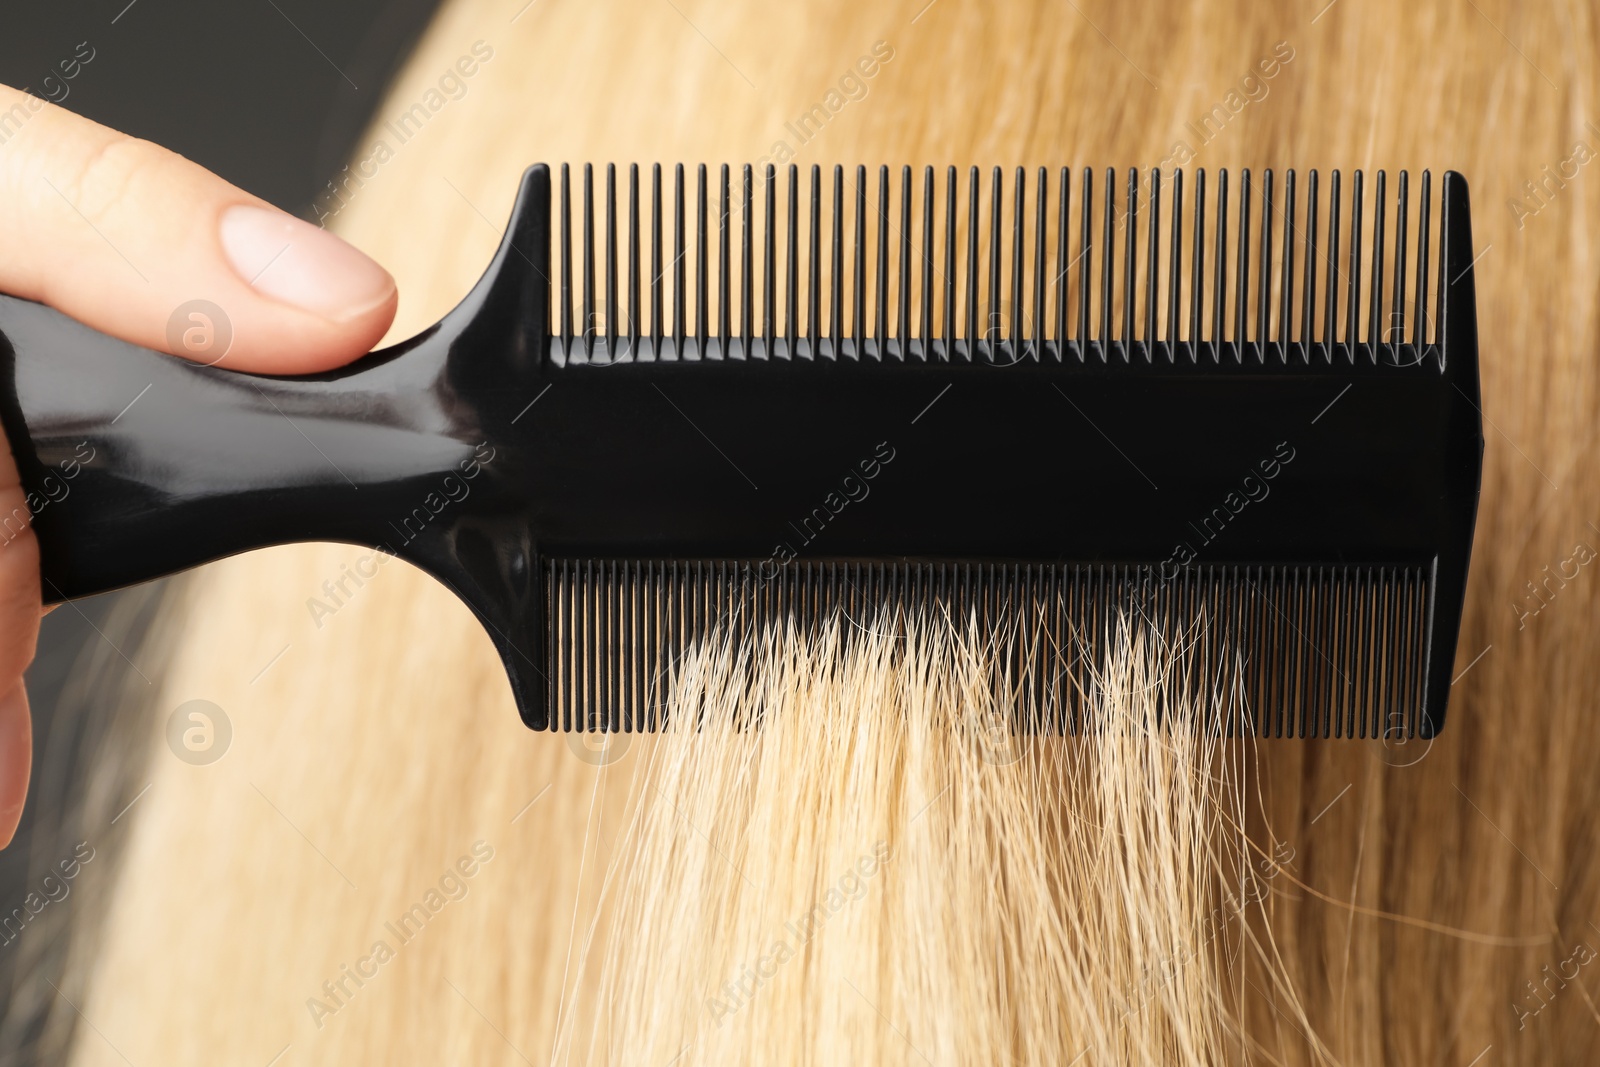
[(483, 448)]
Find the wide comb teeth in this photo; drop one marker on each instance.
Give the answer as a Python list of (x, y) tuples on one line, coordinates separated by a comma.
[(976, 274)]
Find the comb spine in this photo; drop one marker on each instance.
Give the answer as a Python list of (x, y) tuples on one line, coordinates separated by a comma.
[(1457, 360)]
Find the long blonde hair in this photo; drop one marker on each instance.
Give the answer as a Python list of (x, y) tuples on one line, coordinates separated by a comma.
[(1122, 898)]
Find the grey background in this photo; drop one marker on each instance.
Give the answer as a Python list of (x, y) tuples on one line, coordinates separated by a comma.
[(270, 94)]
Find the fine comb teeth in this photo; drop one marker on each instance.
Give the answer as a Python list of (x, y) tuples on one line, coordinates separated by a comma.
[(1244, 410)]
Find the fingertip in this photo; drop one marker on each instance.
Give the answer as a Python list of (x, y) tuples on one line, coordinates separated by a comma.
[(244, 332), (16, 758), (304, 300), (146, 246), (290, 261), (20, 599)]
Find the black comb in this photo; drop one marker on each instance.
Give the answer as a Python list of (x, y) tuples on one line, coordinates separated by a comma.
[(1036, 406)]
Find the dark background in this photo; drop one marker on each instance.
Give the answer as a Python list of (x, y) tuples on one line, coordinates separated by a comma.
[(271, 95)]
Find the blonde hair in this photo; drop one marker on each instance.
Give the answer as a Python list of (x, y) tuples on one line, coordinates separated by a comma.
[(1427, 905), (870, 871)]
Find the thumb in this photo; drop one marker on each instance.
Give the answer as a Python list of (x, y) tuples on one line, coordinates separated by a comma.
[(140, 243)]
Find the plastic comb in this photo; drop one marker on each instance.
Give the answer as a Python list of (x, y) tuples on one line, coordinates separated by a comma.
[(1233, 405)]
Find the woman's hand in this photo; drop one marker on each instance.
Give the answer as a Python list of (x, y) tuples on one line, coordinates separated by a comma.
[(126, 237)]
